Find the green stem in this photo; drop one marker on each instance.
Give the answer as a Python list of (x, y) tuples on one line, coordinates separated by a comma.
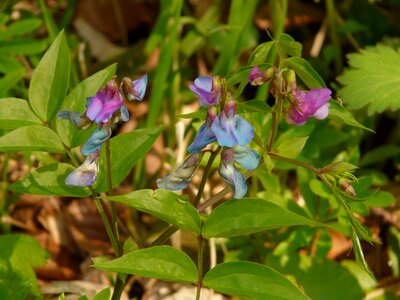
[(205, 176), (200, 250), (276, 116)]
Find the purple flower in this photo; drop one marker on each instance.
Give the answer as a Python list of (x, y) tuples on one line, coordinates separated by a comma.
[(205, 135), (208, 89), (313, 103), (105, 103), (231, 175), (231, 129), (134, 89), (181, 177), (84, 175)]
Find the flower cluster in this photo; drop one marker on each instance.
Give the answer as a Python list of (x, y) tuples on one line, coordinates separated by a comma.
[(228, 129), (104, 109), (301, 105)]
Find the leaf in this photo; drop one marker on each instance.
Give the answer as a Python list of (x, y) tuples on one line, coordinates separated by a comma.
[(305, 72), (372, 80), (104, 294), (249, 215), (18, 254), (16, 113), (291, 148), (289, 45), (165, 205), (126, 150), (51, 79), (31, 138), (378, 154), (251, 280), (49, 180), (76, 101), (260, 54), (340, 113), (161, 262)]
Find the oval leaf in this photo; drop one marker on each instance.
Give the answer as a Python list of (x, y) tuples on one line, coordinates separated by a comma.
[(165, 205), (161, 262), (251, 280), (306, 73), (51, 79), (16, 113), (126, 150), (76, 101), (244, 216), (30, 138), (49, 180)]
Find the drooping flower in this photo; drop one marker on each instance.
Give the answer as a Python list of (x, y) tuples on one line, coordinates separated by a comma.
[(181, 177), (85, 174), (208, 89), (231, 175), (231, 129), (205, 135), (313, 103)]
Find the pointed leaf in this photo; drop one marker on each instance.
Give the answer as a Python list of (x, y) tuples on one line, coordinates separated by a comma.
[(49, 180), (76, 101), (30, 138), (249, 215), (16, 113), (305, 72), (126, 150), (165, 205), (51, 79), (161, 262), (251, 280)]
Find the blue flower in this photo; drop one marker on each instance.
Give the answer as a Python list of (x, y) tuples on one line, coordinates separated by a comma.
[(231, 175), (96, 140), (181, 177), (84, 175), (231, 129)]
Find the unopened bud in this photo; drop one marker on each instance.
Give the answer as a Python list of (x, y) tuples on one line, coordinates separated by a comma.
[(347, 187)]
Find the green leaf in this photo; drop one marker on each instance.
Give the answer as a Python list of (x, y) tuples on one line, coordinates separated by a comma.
[(49, 180), (165, 205), (289, 45), (161, 262), (20, 27), (379, 154), (251, 280), (104, 294), (260, 54), (51, 79), (76, 101), (18, 254), (340, 113), (291, 148), (16, 113), (126, 150), (249, 215), (31, 138), (372, 80), (305, 72)]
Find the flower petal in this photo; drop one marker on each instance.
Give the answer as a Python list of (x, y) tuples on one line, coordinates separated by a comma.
[(84, 175), (246, 157), (96, 140), (204, 137)]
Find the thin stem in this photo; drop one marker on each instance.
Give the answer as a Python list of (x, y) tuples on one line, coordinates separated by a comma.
[(200, 250), (205, 176), (276, 116)]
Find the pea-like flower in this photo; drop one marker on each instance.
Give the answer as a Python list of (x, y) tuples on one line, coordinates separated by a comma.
[(105, 108), (208, 89), (313, 103), (231, 129)]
